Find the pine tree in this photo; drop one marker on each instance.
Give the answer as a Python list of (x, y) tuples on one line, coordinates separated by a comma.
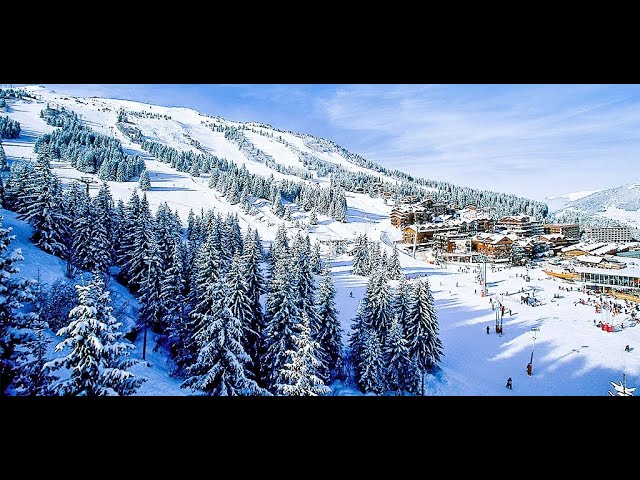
[(4, 166), (313, 218), (279, 248), (329, 334), (251, 260), (300, 375), (425, 347), (41, 207), (377, 304), (103, 209), (361, 257), (402, 303), (220, 368), (395, 272), (98, 360), (315, 262), (282, 322), (19, 181), (239, 301), (375, 263), (401, 374), (143, 243), (173, 302), (305, 285), (145, 182), (34, 379), (151, 313), (128, 234), (206, 272), (371, 368), (14, 292), (276, 207)]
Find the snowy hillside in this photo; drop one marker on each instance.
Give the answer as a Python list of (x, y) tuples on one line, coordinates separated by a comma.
[(618, 204), (560, 201), (572, 357)]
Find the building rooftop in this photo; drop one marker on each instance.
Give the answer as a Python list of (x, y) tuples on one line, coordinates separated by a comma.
[(624, 272)]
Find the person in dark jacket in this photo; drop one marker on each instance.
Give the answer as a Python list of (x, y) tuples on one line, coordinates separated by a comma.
[(509, 384), (487, 329)]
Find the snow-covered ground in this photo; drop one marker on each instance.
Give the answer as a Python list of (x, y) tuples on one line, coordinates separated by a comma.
[(572, 356)]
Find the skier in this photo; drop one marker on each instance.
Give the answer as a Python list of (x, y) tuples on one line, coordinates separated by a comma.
[(509, 384), (627, 349), (351, 294), (487, 329), (529, 369)]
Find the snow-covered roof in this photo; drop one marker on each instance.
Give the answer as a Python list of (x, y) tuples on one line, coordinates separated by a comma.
[(608, 248), (625, 272), (590, 259)]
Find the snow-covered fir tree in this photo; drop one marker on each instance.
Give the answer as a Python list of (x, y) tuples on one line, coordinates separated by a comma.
[(128, 234), (97, 358), (360, 264), (402, 300), (239, 301), (41, 207), (300, 375), (279, 247), (329, 334), (395, 272), (220, 366), (103, 209), (14, 293), (151, 314), (277, 207), (172, 287), (143, 243), (145, 181), (384, 264), (371, 370), (34, 379), (4, 166), (313, 218), (255, 284), (378, 304), (282, 320), (315, 261), (425, 347), (305, 285), (401, 375)]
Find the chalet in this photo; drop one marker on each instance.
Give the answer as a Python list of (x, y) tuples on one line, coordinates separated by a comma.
[(424, 233), (493, 245), (520, 225), (358, 190), (387, 195), (404, 215), (451, 242)]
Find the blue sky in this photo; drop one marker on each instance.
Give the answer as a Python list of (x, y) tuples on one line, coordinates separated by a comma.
[(532, 140)]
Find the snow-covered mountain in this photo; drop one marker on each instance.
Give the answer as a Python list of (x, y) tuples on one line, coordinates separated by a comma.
[(613, 205), (560, 201)]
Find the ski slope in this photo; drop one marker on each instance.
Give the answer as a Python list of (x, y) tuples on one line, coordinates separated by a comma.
[(571, 357)]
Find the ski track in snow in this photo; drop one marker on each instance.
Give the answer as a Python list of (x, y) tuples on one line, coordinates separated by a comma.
[(571, 357)]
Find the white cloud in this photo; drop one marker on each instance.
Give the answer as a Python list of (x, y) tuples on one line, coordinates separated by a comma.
[(535, 140)]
